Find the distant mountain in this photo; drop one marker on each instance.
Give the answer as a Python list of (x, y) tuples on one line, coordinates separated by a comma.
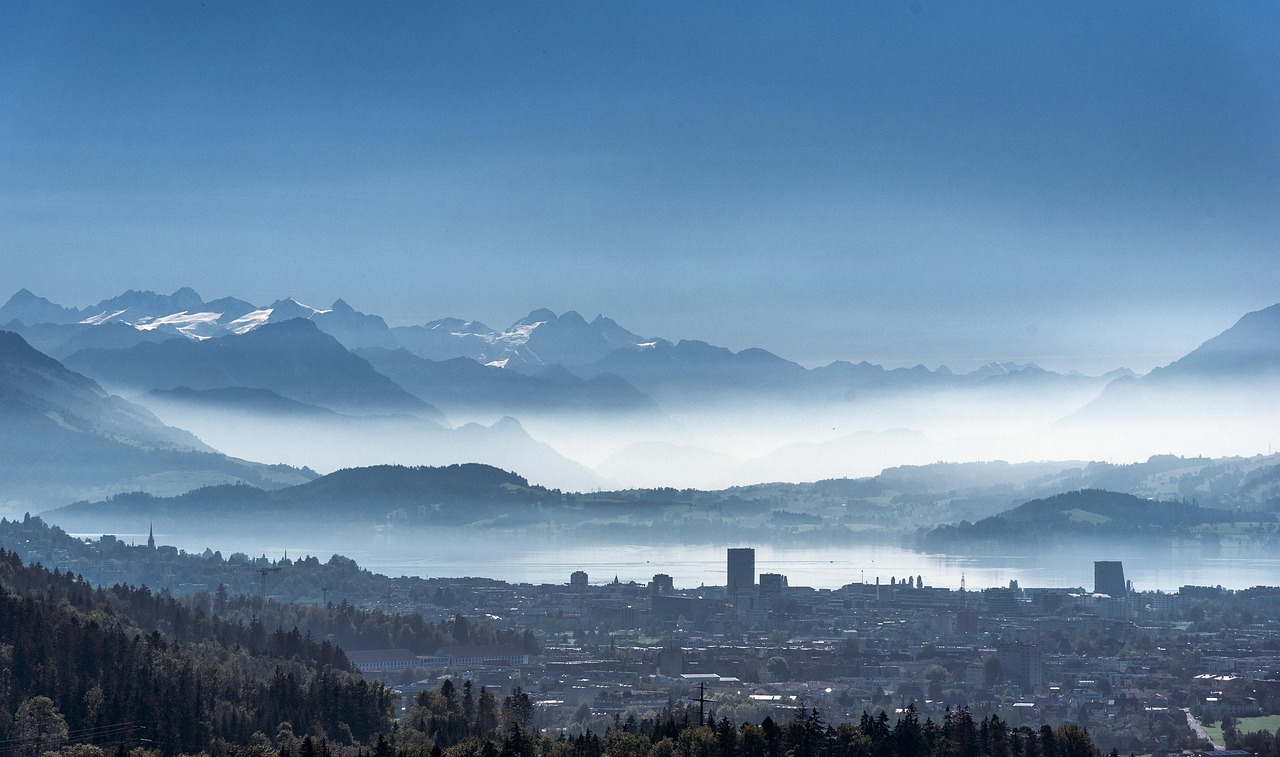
[(1094, 514), (446, 339), (183, 313), (1235, 374), (29, 309), (691, 370), (353, 328), (134, 305), (62, 437), (540, 339), (453, 495), (622, 369), (293, 359), (238, 399), (58, 340), (1234, 483), (463, 385), (35, 386), (1249, 349), (685, 370)]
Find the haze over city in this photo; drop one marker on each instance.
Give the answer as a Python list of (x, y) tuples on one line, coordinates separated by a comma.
[(603, 379)]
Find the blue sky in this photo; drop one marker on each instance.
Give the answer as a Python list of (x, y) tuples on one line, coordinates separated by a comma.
[(1082, 184)]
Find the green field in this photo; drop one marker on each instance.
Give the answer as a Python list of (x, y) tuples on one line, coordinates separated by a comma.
[(1214, 732), (1245, 725), (1264, 723)]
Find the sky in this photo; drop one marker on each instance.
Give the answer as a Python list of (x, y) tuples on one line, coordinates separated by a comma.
[(1083, 185)]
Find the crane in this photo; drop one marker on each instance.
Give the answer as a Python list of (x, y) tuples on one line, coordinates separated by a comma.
[(262, 586)]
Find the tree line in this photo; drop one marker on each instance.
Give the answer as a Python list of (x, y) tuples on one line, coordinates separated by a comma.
[(94, 662), (450, 722)]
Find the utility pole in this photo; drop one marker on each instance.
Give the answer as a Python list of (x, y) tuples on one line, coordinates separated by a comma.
[(701, 700)]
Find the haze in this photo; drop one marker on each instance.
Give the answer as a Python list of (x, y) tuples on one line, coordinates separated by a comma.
[(1086, 186)]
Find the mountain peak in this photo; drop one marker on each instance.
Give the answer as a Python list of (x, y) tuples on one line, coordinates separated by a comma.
[(30, 309), (16, 351), (541, 315), (1250, 347)]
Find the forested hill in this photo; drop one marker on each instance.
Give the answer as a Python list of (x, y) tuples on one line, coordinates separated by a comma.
[(448, 495), (124, 666), (1096, 514), (399, 484)]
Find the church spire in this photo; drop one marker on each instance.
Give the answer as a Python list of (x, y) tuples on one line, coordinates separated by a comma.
[(151, 536)]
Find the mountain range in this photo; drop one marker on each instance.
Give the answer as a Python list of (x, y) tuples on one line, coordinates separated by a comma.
[(580, 403), (677, 371), (292, 358)]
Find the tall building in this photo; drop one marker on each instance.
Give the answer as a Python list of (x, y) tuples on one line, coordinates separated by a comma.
[(742, 571), (1022, 664), (662, 584), (772, 584), (578, 581), (1108, 578)]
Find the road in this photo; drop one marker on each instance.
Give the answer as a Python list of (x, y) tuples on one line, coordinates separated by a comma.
[(1195, 726)]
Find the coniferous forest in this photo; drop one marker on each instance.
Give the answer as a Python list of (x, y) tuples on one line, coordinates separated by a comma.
[(79, 664)]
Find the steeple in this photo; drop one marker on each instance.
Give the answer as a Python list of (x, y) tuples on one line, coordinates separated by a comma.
[(151, 536)]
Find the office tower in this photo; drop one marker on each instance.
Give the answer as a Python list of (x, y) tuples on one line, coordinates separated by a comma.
[(742, 571), (1108, 578)]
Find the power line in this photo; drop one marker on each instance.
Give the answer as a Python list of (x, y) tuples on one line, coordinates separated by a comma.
[(112, 734)]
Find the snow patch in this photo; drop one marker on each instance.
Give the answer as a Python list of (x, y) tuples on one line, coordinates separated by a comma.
[(249, 321), (518, 335), (103, 317), (314, 311), (498, 363)]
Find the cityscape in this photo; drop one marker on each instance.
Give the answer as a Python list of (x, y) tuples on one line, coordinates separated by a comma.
[(1145, 672)]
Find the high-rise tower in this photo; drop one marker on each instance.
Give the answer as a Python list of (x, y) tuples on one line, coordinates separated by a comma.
[(1108, 578), (742, 571)]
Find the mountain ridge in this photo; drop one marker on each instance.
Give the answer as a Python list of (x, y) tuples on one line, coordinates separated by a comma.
[(292, 358), (63, 436), (536, 340)]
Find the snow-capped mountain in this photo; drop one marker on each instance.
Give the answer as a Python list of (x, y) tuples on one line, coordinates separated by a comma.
[(536, 341), (681, 370), (293, 358)]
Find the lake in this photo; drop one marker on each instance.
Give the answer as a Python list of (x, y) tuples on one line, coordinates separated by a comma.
[(691, 565)]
